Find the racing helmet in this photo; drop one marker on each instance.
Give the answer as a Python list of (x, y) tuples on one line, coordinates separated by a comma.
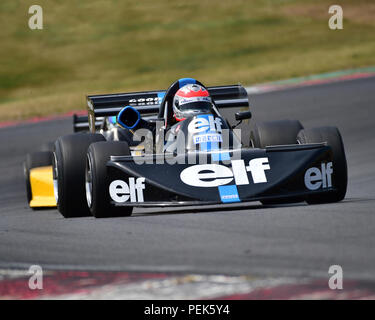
[(190, 100)]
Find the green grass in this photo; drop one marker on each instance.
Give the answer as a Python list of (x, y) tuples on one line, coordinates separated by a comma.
[(102, 46)]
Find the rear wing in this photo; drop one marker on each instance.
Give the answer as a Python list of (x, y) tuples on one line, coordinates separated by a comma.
[(81, 123), (148, 102)]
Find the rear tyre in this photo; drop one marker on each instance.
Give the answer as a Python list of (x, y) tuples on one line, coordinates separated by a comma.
[(97, 180), (332, 136), (48, 146), (272, 133), (35, 160), (69, 163)]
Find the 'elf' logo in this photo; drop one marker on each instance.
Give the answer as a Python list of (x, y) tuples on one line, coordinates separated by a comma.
[(316, 178), (120, 191)]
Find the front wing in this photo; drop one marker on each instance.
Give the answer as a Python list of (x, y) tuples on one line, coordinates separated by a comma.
[(276, 172)]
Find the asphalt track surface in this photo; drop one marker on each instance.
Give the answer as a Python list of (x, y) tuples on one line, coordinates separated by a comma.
[(247, 239)]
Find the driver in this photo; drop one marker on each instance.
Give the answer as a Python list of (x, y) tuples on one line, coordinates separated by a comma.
[(190, 100)]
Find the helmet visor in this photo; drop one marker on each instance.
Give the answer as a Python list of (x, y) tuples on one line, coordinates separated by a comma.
[(196, 106)]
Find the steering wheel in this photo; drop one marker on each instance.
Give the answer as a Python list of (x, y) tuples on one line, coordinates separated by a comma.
[(166, 110)]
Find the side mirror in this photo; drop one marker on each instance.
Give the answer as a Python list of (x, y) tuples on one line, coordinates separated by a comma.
[(128, 117), (242, 115)]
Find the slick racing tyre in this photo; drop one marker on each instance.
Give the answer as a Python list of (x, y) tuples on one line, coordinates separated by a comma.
[(272, 133), (69, 163), (35, 160), (48, 146), (332, 136), (97, 180)]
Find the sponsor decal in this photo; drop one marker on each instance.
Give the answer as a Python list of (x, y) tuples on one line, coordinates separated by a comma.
[(209, 128), (207, 138), (229, 194), (215, 175), (316, 178), (205, 123), (121, 192), (147, 101)]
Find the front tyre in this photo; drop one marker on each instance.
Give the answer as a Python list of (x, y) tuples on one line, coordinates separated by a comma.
[(69, 163), (272, 133), (332, 137), (97, 180)]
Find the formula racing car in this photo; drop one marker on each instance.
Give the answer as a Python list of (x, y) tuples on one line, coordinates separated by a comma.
[(174, 148)]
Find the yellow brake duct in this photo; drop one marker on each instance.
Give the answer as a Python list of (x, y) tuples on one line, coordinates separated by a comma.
[(41, 181)]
